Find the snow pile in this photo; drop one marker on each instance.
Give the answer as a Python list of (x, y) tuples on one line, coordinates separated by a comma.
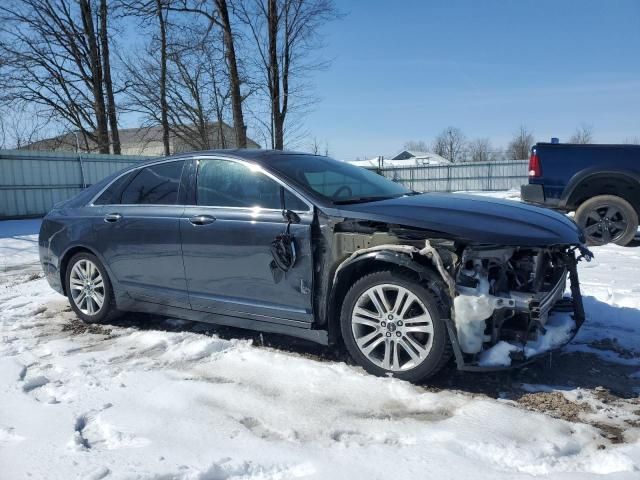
[(471, 312), (472, 307), (558, 331), (135, 402), (498, 355)]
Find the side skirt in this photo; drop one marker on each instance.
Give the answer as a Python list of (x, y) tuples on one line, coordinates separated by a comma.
[(268, 325)]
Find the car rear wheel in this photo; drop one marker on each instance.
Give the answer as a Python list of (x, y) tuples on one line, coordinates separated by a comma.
[(88, 288), (607, 218), (392, 326)]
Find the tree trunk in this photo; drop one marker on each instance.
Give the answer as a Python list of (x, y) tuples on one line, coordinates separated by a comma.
[(106, 68), (222, 143), (274, 76), (164, 107), (102, 133), (234, 76)]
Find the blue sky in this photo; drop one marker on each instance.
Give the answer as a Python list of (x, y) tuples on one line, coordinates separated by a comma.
[(404, 70)]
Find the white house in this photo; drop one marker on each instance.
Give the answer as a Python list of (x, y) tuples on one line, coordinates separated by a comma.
[(405, 158)]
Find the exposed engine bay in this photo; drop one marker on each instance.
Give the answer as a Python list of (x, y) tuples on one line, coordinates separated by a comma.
[(507, 295), (501, 298)]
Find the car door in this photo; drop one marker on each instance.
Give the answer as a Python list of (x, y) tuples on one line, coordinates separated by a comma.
[(226, 244), (140, 235)]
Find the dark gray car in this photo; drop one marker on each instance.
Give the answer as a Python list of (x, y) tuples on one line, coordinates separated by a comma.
[(307, 246)]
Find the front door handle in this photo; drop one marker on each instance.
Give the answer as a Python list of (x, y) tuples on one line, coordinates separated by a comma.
[(112, 217), (202, 220)]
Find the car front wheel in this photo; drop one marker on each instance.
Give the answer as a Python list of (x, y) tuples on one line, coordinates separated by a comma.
[(392, 326), (88, 288)]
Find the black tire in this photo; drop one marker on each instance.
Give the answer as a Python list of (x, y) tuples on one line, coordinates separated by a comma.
[(607, 218), (440, 350), (107, 309)]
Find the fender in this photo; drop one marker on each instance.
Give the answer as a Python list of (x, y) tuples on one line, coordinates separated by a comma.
[(90, 249), (590, 173), (391, 257)]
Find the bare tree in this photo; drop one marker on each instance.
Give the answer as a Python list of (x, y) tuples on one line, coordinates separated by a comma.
[(218, 14), (154, 14), (197, 92), (285, 35), (631, 141), (480, 150), (417, 146), (520, 146), (22, 126), (3, 133), (54, 62), (95, 68), (108, 83), (582, 135), (451, 144), (314, 146)]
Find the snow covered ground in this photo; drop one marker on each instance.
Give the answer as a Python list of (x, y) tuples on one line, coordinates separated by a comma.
[(162, 399)]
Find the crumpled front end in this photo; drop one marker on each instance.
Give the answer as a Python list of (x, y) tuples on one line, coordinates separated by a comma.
[(510, 304)]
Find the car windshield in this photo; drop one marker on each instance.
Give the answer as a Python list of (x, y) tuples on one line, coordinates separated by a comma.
[(338, 182)]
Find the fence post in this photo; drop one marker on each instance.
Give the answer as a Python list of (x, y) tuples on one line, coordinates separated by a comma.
[(82, 178), (489, 176)]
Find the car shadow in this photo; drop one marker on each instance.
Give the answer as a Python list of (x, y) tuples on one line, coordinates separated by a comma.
[(306, 348), (561, 369)]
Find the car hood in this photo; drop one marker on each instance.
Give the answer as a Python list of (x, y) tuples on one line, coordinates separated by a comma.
[(473, 218)]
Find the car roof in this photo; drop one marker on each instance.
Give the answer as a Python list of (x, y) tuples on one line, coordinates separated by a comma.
[(261, 157), (252, 154)]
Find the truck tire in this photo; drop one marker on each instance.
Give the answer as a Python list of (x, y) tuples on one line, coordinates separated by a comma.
[(607, 218)]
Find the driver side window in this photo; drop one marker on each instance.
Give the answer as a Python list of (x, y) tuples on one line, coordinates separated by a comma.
[(225, 183)]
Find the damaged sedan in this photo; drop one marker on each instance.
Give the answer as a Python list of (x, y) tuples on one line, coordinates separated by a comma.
[(311, 247)]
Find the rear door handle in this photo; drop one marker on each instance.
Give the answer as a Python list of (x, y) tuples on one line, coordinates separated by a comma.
[(202, 220), (112, 217)]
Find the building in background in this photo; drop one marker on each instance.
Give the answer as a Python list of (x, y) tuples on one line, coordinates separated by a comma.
[(405, 158), (148, 141)]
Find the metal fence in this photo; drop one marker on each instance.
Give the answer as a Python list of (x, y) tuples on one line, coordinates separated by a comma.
[(32, 182), (503, 175)]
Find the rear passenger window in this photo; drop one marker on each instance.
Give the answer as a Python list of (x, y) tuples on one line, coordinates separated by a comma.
[(112, 194), (157, 184)]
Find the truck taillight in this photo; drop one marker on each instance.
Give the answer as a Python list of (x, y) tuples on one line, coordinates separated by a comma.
[(534, 165)]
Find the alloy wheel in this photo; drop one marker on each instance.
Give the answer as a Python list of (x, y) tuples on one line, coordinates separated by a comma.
[(604, 224), (87, 287), (392, 327)]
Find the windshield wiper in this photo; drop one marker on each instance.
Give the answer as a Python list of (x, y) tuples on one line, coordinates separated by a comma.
[(348, 201)]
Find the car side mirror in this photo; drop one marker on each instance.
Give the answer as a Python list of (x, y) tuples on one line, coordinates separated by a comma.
[(290, 216)]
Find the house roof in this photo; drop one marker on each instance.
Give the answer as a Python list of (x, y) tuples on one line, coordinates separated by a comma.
[(412, 153), (404, 158), (426, 157), (134, 137)]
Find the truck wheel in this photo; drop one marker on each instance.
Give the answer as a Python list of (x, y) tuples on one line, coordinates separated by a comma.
[(607, 218), (392, 326)]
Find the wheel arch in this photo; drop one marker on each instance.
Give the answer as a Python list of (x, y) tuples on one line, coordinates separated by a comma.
[(367, 263), (68, 255), (589, 184)]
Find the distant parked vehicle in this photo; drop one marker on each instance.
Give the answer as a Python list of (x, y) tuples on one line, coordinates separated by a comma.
[(601, 183)]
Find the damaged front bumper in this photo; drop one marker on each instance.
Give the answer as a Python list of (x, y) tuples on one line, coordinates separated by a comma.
[(552, 320)]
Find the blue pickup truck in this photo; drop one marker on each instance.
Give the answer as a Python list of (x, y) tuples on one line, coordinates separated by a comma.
[(601, 183)]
